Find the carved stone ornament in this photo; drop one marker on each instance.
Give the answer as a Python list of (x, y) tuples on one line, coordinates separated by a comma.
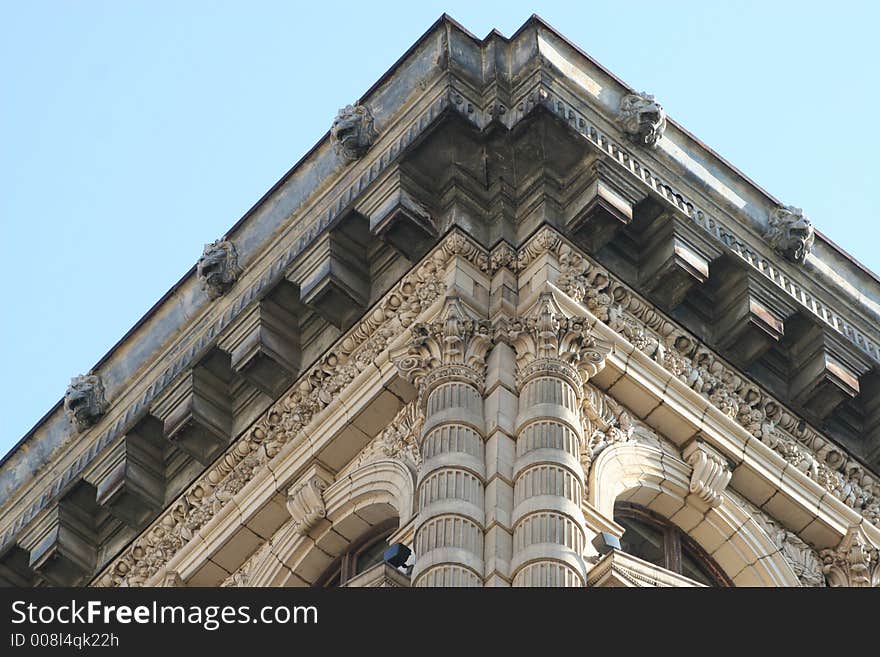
[(547, 335), (605, 423), (803, 559), (642, 118), (853, 563), (218, 267), (454, 345), (711, 473), (305, 500), (352, 132), (791, 233), (84, 401)]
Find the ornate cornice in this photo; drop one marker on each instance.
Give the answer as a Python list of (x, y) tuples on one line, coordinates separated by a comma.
[(283, 423), (692, 362)]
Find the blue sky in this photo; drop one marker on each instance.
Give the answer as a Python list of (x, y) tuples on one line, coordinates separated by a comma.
[(132, 133)]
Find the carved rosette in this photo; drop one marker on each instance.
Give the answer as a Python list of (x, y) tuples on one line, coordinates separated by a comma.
[(853, 563), (305, 500), (642, 119), (84, 401), (555, 357), (446, 360), (791, 233), (218, 268), (352, 132), (710, 475)]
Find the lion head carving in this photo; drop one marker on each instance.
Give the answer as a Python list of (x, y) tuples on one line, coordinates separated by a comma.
[(791, 233), (642, 118), (353, 131), (218, 267), (84, 401)]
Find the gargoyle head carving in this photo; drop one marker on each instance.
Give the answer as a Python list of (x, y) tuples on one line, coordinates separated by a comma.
[(218, 267), (791, 233), (353, 131), (84, 401), (642, 118)]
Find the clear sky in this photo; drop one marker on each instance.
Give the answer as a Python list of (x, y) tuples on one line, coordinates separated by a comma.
[(132, 133)]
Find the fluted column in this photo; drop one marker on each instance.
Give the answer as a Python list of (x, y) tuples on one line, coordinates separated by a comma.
[(446, 362), (555, 357)]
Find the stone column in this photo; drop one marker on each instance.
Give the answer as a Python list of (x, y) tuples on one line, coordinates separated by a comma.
[(446, 362), (555, 357)]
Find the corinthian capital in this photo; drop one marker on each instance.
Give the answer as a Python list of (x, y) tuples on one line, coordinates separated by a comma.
[(454, 345), (546, 335), (853, 563), (305, 499)]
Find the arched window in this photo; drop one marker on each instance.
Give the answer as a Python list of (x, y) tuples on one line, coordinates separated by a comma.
[(362, 554), (655, 539)]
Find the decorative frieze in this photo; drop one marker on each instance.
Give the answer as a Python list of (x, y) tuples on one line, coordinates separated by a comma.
[(790, 233), (853, 563), (711, 472), (642, 118), (218, 268), (305, 499), (84, 401), (352, 132)]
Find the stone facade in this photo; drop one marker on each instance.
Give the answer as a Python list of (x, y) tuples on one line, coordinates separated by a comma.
[(509, 326)]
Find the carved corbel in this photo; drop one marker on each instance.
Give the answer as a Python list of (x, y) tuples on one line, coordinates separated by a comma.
[(334, 276), (605, 206), (750, 312), (404, 223), (853, 563), (673, 256), (84, 401), (305, 499), (61, 543), (826, 370), (196, 412), (218, 268), (711, 472), (263, 346), (130, 479)]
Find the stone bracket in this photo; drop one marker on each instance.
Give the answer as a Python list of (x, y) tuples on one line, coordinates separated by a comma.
[(334, 278), (305, 499), (130, 479), (264, 347), (61, 543), (749, 315), (673, 259), (605, 206), (825, 371), (196, 414), (711, 472)]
